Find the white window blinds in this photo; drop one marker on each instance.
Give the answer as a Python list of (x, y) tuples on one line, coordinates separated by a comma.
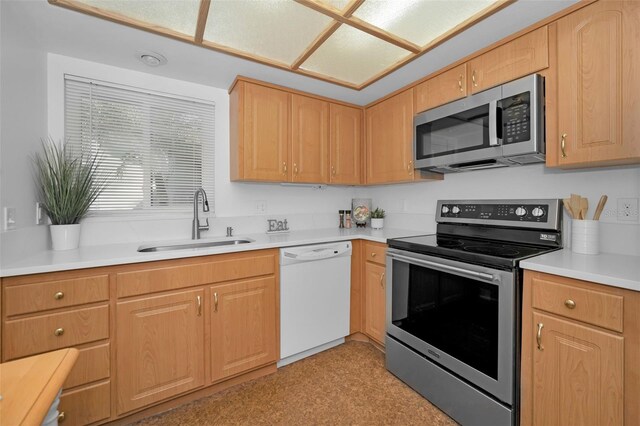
[(157, 148)]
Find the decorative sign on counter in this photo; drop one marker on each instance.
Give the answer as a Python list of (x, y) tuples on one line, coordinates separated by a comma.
[(277, 226)]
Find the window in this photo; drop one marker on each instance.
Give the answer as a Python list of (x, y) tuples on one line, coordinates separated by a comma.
[(159, 148)]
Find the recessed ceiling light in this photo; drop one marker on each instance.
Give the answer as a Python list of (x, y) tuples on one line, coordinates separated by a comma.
[(152, 59)]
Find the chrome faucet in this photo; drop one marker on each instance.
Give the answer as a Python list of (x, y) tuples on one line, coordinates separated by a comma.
[(195, 226)]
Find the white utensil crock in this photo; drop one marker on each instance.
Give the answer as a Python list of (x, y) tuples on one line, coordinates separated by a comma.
[(585, 236), (377, 223), (65, 237)]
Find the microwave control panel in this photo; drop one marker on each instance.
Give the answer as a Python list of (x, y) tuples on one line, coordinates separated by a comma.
[(516, 118), (509, 212)]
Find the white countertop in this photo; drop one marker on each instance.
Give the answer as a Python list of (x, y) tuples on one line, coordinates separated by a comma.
[(617, 270), (118, 254)]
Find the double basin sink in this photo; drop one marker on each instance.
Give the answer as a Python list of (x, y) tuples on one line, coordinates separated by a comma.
[(195, 244)]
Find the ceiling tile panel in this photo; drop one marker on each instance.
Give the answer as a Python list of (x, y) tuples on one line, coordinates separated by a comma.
[(353, 56), (176, 15), (276, 29), (419, 21)]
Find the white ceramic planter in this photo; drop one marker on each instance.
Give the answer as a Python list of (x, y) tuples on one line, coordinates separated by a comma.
[(377, 223), (65, 237), (585, 236)]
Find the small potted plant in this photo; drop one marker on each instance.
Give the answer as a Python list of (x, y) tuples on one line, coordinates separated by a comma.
[(377, 218), (67, 186)]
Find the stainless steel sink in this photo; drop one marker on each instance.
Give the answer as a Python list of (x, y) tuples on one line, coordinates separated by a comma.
[(193, 245)]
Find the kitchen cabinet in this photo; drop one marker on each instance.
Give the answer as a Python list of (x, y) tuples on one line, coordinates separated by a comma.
[(309, 140), (243, 326), (598, 55), (374, 280), (580, 352), (259, 120), (525, 55), (160, 343), (345, 130), (441, 89)]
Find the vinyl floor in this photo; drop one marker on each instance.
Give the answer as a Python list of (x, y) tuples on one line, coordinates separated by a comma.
[(345, 385)]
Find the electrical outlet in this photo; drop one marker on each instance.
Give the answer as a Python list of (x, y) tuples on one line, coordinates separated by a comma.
[(261, 207), (40, 214), (9, 218), (628, 209)]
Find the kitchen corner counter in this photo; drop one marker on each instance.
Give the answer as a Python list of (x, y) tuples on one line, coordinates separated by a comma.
[(119, 254), (617, 270)]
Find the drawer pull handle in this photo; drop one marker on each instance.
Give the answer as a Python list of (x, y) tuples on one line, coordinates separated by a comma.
[(570, 304), (539, 336), (373, 254), (59, 331), (59, 295), (562, 145), (215, 302), (382, 280), (460, 83), (473, 79), (61, 417), (199, 301)]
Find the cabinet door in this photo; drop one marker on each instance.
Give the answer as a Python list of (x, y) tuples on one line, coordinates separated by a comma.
[(442, 89), (522, 56), (160, 348), (374, 301), (598, 85), (309, 140), (389, 140), (577, 374), (243, 326), (265, 128), (345, 141)]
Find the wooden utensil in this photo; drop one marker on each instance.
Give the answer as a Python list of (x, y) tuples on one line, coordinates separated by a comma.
[(600, 207), (575, 205), (567, 205), (584, 207)]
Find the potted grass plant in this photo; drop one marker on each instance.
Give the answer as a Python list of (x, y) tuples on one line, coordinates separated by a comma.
[(377, 218), (67, 186)]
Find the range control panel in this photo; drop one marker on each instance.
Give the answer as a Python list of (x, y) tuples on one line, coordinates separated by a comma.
[(543, 213)]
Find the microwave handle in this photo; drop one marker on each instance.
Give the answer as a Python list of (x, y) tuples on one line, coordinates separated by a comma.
[(495, 134)]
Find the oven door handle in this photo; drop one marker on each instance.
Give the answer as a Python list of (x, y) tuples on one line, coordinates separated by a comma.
[(446, 268)]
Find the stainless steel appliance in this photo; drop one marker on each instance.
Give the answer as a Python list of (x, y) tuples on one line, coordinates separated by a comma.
[(500, 127), (454, 301)]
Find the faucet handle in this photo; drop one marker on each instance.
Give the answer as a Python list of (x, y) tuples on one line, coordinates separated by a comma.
[(204, 227), (229, 231)]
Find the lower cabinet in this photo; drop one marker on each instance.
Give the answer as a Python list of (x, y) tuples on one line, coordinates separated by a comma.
[(243, 326), (84, 406), (160, 341), (580, 353), (374, 301)]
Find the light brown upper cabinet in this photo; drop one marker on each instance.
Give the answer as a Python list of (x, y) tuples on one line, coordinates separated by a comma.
[(309, 140), (598, 86), (345, 144), (259, 120), (389, 140), (441, 89), (524, 55)]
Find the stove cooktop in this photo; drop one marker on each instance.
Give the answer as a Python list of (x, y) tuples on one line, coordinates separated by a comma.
[(483, 252)]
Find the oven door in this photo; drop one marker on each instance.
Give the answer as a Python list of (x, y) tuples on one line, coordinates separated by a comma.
[(460, 316)]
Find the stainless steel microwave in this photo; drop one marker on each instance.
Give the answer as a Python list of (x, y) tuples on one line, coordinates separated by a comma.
[(500, 127)]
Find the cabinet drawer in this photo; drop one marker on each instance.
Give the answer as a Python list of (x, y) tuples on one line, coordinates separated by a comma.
[(26, 298), (375, 253), (86, 405), (217, 269), (93, 364), (30, 336), (589, 306)]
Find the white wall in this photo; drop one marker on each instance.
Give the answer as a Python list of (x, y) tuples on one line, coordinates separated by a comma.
[(305, 207), (413, 206), (23, 116)]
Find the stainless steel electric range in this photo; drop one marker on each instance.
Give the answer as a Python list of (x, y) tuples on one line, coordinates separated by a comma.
[(454, 302)]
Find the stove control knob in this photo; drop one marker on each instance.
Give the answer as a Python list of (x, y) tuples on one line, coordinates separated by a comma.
[(537, 212), (445, 209), (455, 209), (521, 211)]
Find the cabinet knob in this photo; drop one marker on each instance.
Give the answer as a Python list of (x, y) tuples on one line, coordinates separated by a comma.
[(59, 295), (61, 416), (570, 304), (59, 331), (373, 254)]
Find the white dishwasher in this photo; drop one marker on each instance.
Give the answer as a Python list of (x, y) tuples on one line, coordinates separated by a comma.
[(315, 286)]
